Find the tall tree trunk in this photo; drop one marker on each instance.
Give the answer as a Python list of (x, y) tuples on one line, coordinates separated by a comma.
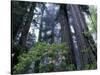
[(15, 48), (66, 32), (26, 27), (17, 13), (89, 39), (41, 24), (79, 26)]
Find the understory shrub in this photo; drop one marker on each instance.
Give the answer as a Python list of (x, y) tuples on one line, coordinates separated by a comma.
[(39, 51)]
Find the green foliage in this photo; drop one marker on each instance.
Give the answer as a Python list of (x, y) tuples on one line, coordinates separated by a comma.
[(46, 67), (90, 66), (93, 18), (86, 50), (86, 34), (37, 52), (70, 67)]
